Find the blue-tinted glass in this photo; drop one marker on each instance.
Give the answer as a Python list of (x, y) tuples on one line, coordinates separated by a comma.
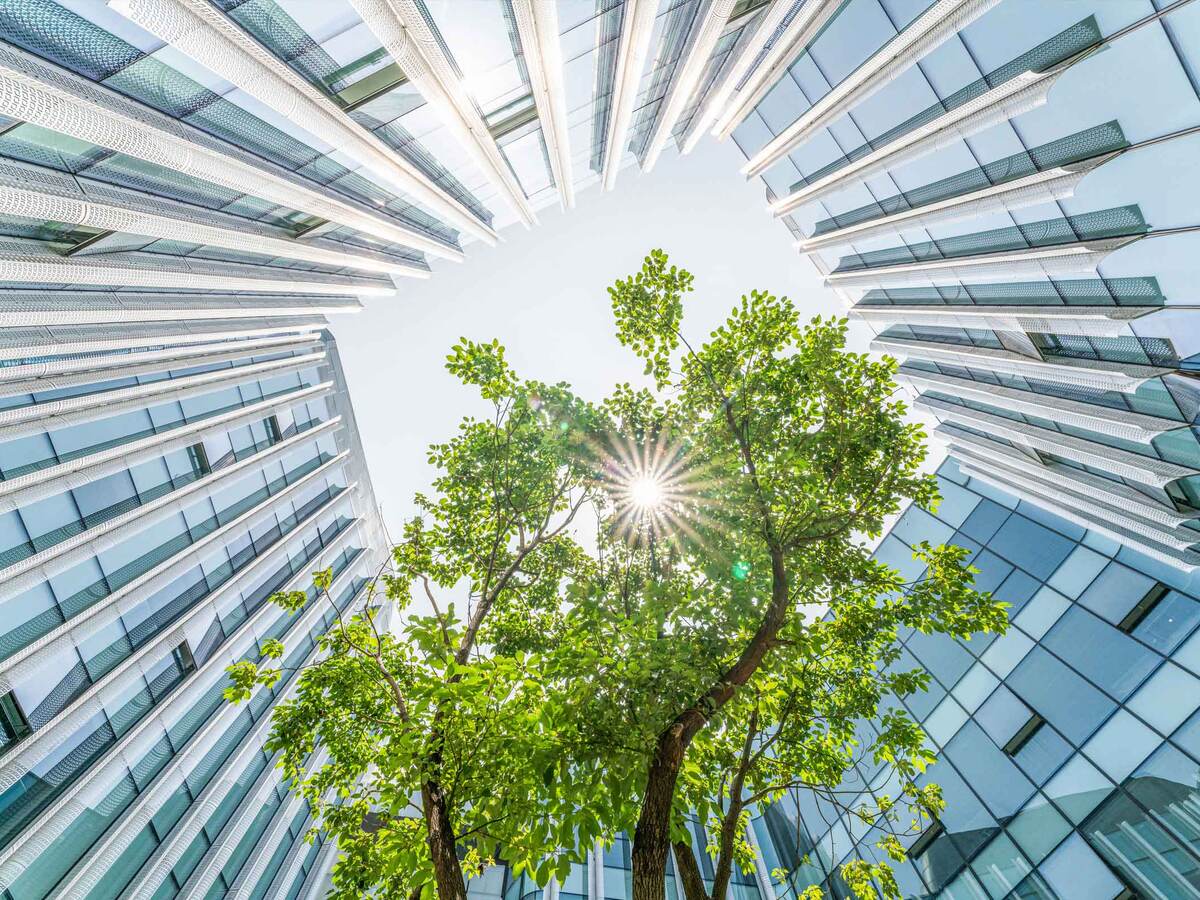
[(1115, 591), (1148, 858), (1062, 697), (1042, 754), (1167, 785), (1038, 828), (984, 521), (899, 556), (917, 525), (1076, 874), (1172, 619), (965, 819), (993, 775), (1016, 590), (992, 571), (1109, 658), (1078, 788), (1077, 572), (1002, 715), (1033, 547), (957, 503), (945, 659), (1000, 866), (1120, 745), (1167, 698)]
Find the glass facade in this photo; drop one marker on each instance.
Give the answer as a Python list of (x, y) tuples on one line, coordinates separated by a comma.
[(1004, 191), (152, 501), (990, 188), (186, 192), (1067, 747)]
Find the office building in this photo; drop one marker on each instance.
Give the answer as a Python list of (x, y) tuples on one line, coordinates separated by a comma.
[(1069, 748), (159, 480), (187, 191), (1005, 192), (1003, 189)]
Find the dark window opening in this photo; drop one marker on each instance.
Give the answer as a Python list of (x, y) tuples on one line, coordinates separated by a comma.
[(925, 841), (1142, 608), (198, 457), (182, 655), (274, 432), (13, 724), (1024, 734)]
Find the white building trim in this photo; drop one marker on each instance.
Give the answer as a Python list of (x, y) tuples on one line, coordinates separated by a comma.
[(34, 485), (34, 262), (204, 34), (20, 421), (37, 192), (633, 45), (1063, 478), (143, 809), (66, 342), (54, 733), (1115, 422), (316, 885), (403, 31), (278, 829), (939, 22), (72, 309), (18, 666), (1108, 522), (219, 852), (537, 27), (292, 863), (1093, 321), (70, 372), (130, 595), (1108, 376), (706, 31), (1061, 260), (1026, 91), (729, 104), (33, 90), (1145, 470), (110, 534), (1040, 187)]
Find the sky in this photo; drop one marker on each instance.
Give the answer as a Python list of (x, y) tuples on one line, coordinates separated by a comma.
[(542, 293)]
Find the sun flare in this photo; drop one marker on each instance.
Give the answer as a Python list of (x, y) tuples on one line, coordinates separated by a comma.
[(646, 492)]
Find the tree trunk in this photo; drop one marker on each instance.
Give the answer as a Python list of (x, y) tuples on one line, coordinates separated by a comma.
[(652, 837), (687, 870), (724, 870), (442, 844)]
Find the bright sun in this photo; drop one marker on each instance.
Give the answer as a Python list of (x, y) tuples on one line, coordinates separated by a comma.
[(646, 492)]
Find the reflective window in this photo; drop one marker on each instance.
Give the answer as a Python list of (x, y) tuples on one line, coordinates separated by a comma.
[(1064, 699), (1112, 660)]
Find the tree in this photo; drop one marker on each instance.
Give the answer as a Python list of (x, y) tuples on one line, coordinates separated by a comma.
[(427, 738), (820, 716), (691, 654), (588, 682)]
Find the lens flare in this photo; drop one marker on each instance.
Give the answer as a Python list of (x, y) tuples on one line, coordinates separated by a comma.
[(646, 492)]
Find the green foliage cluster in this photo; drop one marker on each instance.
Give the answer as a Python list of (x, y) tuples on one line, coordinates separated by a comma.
[(543, 663)]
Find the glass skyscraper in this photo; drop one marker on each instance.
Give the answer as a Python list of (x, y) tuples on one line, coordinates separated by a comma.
[(1069, 748), (1006, 193), (158, 482), (1005, 190), (187, 191)]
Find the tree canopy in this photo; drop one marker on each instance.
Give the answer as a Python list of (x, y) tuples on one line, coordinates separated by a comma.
[(628, 614)]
